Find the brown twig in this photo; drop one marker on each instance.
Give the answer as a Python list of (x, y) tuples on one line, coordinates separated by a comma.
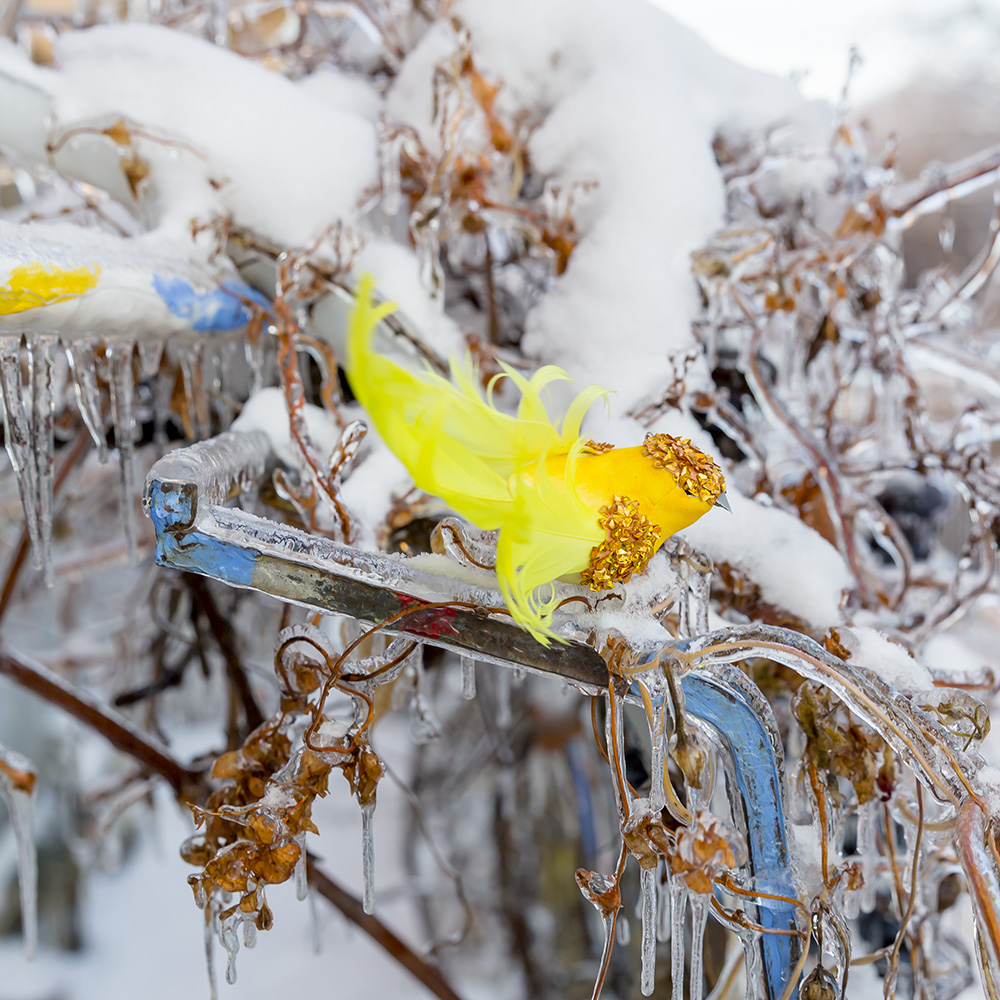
[(351, 908), (222, 631), (117, 730)]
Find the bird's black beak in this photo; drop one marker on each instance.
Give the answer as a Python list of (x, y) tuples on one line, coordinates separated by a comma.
[(723, 502)]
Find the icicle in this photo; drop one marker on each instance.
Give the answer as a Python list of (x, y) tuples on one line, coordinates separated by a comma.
[(222, 361), (88, 397), (317, 939), (17, 782), (41, 351), (249, 933), (17, 434), (424, 725), (195, 391), (213, 993), (663, 909), (867, 831), (150, 356), (700, 582), (231, 943), (503, 699), (468, 678), (254, 358), (122, 388), (368, 855), (657, 766), (301, 871), (648, 878), (699, 918), (756, 986), (519, 673), (389, 150), (623, 930), (678, 909)]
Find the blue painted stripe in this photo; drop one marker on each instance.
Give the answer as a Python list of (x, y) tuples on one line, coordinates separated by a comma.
[(759, 782), (212, 310)]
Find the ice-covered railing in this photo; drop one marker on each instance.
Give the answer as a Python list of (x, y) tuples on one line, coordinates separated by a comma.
[(683, 683), (101, 302)]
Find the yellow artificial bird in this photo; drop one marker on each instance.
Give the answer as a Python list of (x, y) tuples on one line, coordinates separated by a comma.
[(566, 507)]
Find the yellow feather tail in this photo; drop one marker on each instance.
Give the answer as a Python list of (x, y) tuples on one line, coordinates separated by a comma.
[(458, 446)]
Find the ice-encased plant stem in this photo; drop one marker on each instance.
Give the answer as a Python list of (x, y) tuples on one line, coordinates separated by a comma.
[(368, 854), (648, 888)]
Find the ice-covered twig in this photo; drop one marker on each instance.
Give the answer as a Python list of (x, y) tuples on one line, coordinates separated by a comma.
[(118, 731)]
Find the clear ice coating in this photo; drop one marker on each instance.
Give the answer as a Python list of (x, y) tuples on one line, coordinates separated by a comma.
[(648, 888), (503, 680), (699, 919), (123, 420), (18, 437), (678, 910), (231, 942), (301, 871), (83, 369), (41, 353), (468, 678), (17, 783), (368, 855)]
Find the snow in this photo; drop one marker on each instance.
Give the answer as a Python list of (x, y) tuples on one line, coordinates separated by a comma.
[(769, 546), (631, 100), (873, 649), (288, 162)]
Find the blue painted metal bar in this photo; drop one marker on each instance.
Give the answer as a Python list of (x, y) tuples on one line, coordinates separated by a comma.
[(759, 779)]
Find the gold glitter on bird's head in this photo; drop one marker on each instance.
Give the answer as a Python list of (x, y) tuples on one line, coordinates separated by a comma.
[(696, 473), (629, 543)]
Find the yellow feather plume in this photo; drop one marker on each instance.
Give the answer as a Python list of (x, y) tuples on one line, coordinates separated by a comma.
[(564, 506)]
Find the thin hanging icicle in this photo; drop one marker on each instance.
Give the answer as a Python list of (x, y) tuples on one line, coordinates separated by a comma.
[(41, 352), (231, 942), (663, 909), (150, 356), (756, 985), (468, 678), (17, 783), (699, 918), (657, 767), (623, 930), (503, 699), (17, 434), (678, 910), (210, 919), (424, 724), (195, 391), (867, 831), (82, 366), (368, 855), (700, 582), (301, 872), (648, 879), (122, 389)]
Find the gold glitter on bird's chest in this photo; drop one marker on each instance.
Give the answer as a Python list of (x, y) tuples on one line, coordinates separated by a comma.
[(629, 543), (696, 473)]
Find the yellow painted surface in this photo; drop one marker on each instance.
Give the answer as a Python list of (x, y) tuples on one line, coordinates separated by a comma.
[(37, 284)]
